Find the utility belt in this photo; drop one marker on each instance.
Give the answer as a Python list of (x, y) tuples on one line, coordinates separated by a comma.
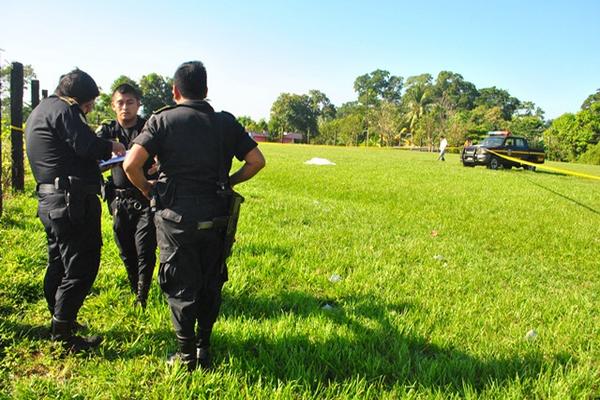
[(75, 192), (130, 200), (215, 223), (70, 184), (163, 196), (128, 193)]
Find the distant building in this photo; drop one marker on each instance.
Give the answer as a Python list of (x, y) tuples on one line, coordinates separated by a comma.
[(287, 137), (259, 137), (292, 137)]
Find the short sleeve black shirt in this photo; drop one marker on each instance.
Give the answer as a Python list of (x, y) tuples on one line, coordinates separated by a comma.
[(186, 140), (60, 143), (114, 131)]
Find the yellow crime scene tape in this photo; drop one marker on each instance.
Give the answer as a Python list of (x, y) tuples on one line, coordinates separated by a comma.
[(541, 166), (16, 128)]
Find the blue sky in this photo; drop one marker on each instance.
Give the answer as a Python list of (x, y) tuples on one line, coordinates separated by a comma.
[(547, 52)]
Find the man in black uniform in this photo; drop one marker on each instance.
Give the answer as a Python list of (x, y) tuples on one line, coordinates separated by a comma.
[(133, 223), (63, 153), (195, 147)]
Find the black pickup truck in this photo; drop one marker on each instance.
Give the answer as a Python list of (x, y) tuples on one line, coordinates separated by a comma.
[(504, 144)]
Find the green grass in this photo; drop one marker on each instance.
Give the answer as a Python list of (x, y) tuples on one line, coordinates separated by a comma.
[(443, 269)]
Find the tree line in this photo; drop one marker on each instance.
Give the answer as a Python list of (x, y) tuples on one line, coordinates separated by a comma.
[(416, 111), (390, 110)]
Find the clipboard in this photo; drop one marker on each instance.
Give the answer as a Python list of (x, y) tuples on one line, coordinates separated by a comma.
[(111, 162)]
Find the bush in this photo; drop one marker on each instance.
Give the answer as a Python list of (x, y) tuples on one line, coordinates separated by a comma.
[(591, 156)]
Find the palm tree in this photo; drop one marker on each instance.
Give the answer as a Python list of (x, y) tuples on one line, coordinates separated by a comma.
[(418, 99)]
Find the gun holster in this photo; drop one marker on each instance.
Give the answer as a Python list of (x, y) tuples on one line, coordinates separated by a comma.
[(155, 202), (108, 190), (74, 197), (235, 201)]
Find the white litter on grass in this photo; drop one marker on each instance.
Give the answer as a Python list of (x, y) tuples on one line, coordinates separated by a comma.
[(438, 257), (327, 307), (319, 161), (335, 278), (531, 335)]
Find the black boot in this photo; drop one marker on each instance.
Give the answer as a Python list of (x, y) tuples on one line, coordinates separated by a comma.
[(186, 354), (204, 357), (142, 293), (77, 327), (133, 281), (203, 349), (62, 331)]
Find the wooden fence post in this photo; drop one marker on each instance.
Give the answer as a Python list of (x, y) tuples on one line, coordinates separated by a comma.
[(35, 93), (16, 122)]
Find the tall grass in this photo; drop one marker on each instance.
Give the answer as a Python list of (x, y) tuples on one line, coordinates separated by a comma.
[(388, 275)]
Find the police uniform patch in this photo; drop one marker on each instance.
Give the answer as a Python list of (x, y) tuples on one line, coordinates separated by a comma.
[(69, 100)]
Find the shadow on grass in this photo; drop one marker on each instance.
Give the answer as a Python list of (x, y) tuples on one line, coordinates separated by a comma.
[(357, 338), (18, 330), (17, 294), (118, 344), (11, 332), (364, 343), (572, 200)]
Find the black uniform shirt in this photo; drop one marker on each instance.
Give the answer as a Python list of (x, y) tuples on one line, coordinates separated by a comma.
[(114, 131), (185, 139), (60, 143)]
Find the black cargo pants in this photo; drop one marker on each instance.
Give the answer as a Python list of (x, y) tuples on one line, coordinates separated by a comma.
[(191, 271), (135, 236), (73, 252)]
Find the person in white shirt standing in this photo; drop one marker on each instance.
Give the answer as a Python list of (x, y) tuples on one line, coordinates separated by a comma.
[(443, 145)]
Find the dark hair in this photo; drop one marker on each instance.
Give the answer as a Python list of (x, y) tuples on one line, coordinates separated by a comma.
[(79, 85), (126, 88), (190, 80)]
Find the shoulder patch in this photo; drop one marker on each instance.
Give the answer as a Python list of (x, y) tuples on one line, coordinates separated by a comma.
[(165, 108), (69, 100)]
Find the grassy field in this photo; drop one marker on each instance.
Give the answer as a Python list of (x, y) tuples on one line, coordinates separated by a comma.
[(388, 275)]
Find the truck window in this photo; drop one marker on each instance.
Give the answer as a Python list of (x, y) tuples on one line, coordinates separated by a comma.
[(520, 143), (493, 141), (509, 142)]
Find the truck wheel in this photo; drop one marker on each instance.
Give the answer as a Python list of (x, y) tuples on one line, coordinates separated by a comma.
[(494, 163), (528, 168)]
